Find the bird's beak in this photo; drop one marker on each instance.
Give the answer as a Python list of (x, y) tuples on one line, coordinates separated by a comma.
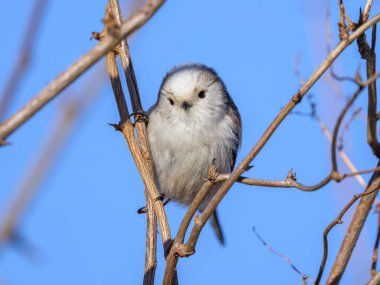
[(186, 105)]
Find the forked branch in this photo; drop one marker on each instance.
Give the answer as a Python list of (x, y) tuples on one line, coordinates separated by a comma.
[(202, 219)]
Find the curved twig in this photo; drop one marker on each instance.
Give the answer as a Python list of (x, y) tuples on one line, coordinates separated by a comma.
[(371, 189)]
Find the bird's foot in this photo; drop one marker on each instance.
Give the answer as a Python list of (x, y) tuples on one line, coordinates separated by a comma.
[(140, 116), (161, 198)]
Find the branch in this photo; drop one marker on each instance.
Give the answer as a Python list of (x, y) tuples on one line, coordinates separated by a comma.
[(375, 280), (353, 231), (140, 149), (62, 128), (284, 257), (370, 190), (366, 202), (367, 9), (151, 232), (369, 82), (78, 68), (370, 57), (273, 126), (376, 246), (24, 55), (337, 126), (179, 249), (151, 243), (344, 156), (244, 164), (291, 182), (314, 115)]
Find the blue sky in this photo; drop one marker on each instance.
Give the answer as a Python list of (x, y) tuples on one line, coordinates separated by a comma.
[(83, 220)]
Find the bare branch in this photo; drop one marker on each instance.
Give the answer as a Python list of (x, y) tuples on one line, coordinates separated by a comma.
[(179, 249), (343, 156), (376, 246), (366, 202), (354, 230), (77, 68), (290, 181), (284, 257), (371, 80), (201, 221), (368, 195), (61, 130), (273, 126), (343, 29), (367, 10), (375, 280), (370, 56), (123, 53), (140, 152), (24, 56), (337, 126)]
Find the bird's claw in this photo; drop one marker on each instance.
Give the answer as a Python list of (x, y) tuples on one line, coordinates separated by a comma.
[(140, 116)]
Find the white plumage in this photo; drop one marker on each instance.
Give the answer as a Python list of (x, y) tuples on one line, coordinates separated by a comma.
[(193, 122)]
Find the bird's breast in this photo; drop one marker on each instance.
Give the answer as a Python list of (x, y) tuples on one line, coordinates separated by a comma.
[(182, 153)]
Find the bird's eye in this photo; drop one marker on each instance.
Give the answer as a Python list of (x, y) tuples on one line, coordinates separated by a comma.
[(171, 101), (202, 94)]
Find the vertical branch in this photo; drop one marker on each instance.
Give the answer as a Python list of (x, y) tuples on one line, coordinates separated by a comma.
[(24, 55), (376, 246), (151, 242), (140, 150), (367, 9), (370, 56), (151, 230)]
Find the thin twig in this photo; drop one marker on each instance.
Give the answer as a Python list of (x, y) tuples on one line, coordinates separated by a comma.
[(290, 181), (355, 114), (78, 68), (347, 161), (244, 164), (24, 56), (348, 105), (329, 47), (283, 256)]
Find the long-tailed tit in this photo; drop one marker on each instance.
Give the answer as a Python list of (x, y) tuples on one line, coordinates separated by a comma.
[(193, 122)]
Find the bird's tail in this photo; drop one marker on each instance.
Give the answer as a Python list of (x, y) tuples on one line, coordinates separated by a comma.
[(216, 226)]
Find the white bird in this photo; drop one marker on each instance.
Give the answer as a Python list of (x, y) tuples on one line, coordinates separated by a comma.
[(193, 122)]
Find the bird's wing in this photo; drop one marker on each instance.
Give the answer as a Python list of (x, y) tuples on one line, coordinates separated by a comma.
[(235, 116)]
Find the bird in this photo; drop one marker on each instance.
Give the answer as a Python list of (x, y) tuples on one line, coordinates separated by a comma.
[(193, 123)]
